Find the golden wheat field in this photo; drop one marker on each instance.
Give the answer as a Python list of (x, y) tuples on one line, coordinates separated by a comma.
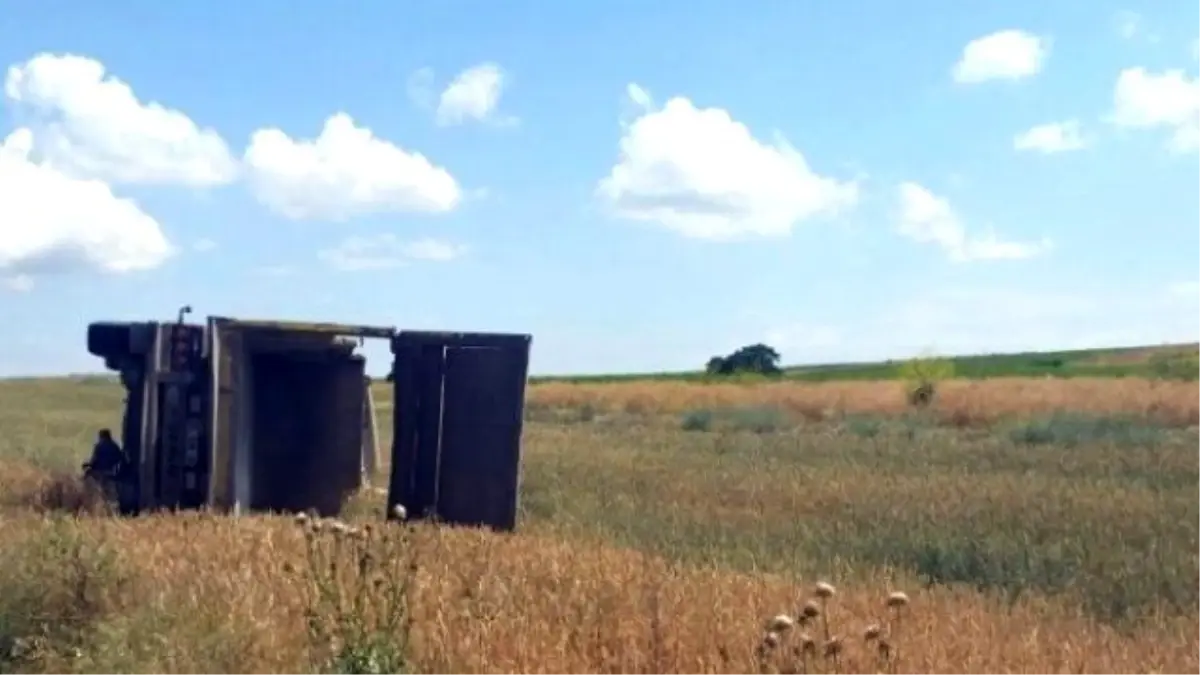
[(1030, 526)]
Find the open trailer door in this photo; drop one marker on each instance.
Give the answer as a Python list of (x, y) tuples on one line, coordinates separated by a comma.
[(459, 404), (224, 349)]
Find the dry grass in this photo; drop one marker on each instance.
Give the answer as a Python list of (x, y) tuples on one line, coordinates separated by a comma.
[(649, 548), (197, 594), (959, 401)]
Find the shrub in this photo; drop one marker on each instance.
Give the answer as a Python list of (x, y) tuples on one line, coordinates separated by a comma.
[(58, 585), (921, 376), (697, 420)]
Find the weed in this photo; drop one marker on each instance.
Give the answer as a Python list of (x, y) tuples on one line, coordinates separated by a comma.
[(356, 585)]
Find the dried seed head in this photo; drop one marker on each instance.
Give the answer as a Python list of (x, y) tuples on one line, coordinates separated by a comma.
[(339, 527), (824, 590), (288, 567), (780, 624), (807, 644), (884, 647), (897, 599), (810, 610), (399, 512), (301, 519), (771, 640), (833, 646), (872, 632)]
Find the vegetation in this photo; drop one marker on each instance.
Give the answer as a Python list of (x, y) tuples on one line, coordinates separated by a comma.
[(1161, 362), (1043, 525), (757, 359)]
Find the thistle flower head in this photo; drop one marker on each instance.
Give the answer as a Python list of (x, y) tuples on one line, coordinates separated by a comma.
[(807, 644), (897, 599), (810, 610), (872, 632), (771, 640), (824, 590), (833, 646), (399, 512), (780, 624)]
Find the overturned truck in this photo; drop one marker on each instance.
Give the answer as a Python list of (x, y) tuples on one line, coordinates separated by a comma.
[(239, 416)]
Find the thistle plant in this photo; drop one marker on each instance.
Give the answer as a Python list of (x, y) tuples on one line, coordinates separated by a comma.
[(828, 652)]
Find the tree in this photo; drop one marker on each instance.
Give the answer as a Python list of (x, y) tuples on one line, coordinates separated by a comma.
[(756, 358)]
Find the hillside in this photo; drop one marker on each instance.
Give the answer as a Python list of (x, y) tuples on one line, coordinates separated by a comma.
[(1105, 362)]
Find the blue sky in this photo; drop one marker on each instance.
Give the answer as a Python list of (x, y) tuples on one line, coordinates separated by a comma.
[(639, 185)]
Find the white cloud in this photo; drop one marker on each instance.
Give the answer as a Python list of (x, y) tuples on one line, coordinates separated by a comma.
[(203, 245), (420, 88), (473, 95), (1003, 55), (1168, 100), (91, 125), (924, 217), (386, 251), (1051, 138), (53, 222), (346, 171), (20, 283), (701, 173)]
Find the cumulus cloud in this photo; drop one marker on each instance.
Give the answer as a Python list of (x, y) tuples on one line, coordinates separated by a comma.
[(701, 173), (386, 251), (473, 95), (1167, 100), (927, 218), (91, 125), (1051, 138), (51, 221), (344, 172), (1003, 55)]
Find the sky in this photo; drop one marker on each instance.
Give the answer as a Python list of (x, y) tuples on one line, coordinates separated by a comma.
[(639, 185)]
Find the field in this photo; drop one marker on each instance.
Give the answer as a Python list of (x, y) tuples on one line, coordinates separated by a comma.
[(1144, 361), (1033, 524)]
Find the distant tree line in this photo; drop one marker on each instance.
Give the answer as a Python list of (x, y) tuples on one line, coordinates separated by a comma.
[(756, 358)]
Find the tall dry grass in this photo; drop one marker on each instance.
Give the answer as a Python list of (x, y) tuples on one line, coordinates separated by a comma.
[(201, 594), (652, 545), (962, 402)]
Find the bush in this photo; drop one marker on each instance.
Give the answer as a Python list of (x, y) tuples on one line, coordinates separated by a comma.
[(921, 376), (58, 585), (697, 420)]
